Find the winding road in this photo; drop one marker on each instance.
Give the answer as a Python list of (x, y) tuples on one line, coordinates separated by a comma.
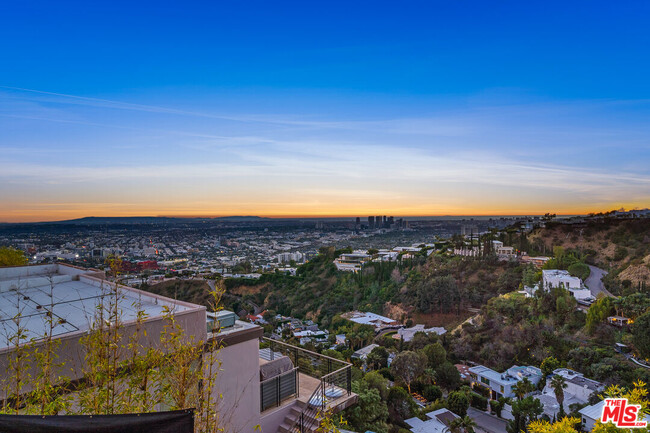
[(595, 281)]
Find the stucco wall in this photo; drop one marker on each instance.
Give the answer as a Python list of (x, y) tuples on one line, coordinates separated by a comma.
[(238, 381)]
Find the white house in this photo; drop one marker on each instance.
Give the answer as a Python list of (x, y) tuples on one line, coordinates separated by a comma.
[(578, 390), (501, 384), (371, 319), (554, 278), (407, 334), (352, 262), (438, 422)]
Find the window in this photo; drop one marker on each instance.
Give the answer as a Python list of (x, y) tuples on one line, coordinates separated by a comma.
[(485, 381), (502, 389)]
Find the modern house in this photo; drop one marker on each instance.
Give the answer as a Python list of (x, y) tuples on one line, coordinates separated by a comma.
[(577, 384), (352, 262), (407, 334), (371, 319), (554, 278), (363, 353), (501, 384), (578, 391)]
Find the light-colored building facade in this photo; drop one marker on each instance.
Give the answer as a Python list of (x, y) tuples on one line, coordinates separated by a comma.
[(501, 384)]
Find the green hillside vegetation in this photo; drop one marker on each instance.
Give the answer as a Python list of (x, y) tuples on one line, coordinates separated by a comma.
[(621, 247), (512, 329), (438, 284)]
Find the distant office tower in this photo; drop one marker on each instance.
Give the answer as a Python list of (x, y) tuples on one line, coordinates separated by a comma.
[(358, 221), (320, 225), (385, 220), (391, 220), (469, 230), (371, 222), (378, 222), (357, 224)]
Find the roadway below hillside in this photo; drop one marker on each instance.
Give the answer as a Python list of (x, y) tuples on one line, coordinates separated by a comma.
[(486, 422), (595, 281)]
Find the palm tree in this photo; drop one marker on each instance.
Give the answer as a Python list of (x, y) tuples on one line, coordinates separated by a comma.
[(558, 384), (462, 425), (522, 388)]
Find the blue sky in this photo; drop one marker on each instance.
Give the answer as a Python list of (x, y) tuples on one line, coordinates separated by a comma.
[(332, 108)]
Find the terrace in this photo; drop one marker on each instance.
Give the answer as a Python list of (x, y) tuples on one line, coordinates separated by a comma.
[(298, 385)]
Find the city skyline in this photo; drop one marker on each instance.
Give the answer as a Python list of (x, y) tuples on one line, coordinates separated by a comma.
[(293, 110)]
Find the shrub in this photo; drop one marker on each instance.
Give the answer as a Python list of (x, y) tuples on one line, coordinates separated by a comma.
[(478, 401), (432, 393)]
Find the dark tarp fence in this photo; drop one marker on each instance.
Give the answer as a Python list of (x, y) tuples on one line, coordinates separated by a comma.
[(178, 421)]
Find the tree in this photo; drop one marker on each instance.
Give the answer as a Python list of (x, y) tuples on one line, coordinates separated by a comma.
[(523, 412), (598, 312), (436, 354), (565, 425), (579, 270), (420, 340), (549, 365), (559, 384), (400, 403), (458, 403), (408, 366), (377, 358), (431, 392), (523, 387), (375, 380), (462, 425), (641, 334), (447, 376), (370, 412), (12, 257)]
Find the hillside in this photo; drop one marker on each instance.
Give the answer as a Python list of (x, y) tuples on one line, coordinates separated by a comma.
[(435, 290), (620, 246)]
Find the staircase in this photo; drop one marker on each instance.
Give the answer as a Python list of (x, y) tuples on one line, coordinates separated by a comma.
[(305, 417)]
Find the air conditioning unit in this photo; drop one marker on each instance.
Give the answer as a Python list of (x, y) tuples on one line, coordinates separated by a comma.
[(220, 320)]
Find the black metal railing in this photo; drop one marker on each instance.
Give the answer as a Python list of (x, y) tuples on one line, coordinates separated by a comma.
[(275, 390), (333, 388), (310, 363), (334, 375)]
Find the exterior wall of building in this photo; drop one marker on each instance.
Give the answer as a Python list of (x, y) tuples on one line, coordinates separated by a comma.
[(272, 419), (238, 381)]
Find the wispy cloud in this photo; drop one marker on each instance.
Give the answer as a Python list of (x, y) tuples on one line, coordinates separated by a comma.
[(554, 154)]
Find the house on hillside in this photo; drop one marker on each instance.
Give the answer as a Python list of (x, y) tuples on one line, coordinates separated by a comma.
[(372, 319), (407, 334), (439, 421), (501, 384)]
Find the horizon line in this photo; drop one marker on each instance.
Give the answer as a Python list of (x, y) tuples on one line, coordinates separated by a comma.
[(280, 217)]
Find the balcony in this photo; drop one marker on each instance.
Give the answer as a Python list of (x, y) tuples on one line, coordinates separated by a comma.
[(307, 381)]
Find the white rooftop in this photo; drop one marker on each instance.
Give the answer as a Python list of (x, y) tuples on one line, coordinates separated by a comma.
[(72, 294)]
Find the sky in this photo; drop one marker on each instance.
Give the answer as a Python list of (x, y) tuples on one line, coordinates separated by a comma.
[(323, 108)]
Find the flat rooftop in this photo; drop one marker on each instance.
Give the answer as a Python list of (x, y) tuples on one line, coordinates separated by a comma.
[(72, 295)]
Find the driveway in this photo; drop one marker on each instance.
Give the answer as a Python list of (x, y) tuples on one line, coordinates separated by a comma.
[(487, 423), (595, 283)]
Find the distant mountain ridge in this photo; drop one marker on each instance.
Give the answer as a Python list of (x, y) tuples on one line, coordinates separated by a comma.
[(144, 220)]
